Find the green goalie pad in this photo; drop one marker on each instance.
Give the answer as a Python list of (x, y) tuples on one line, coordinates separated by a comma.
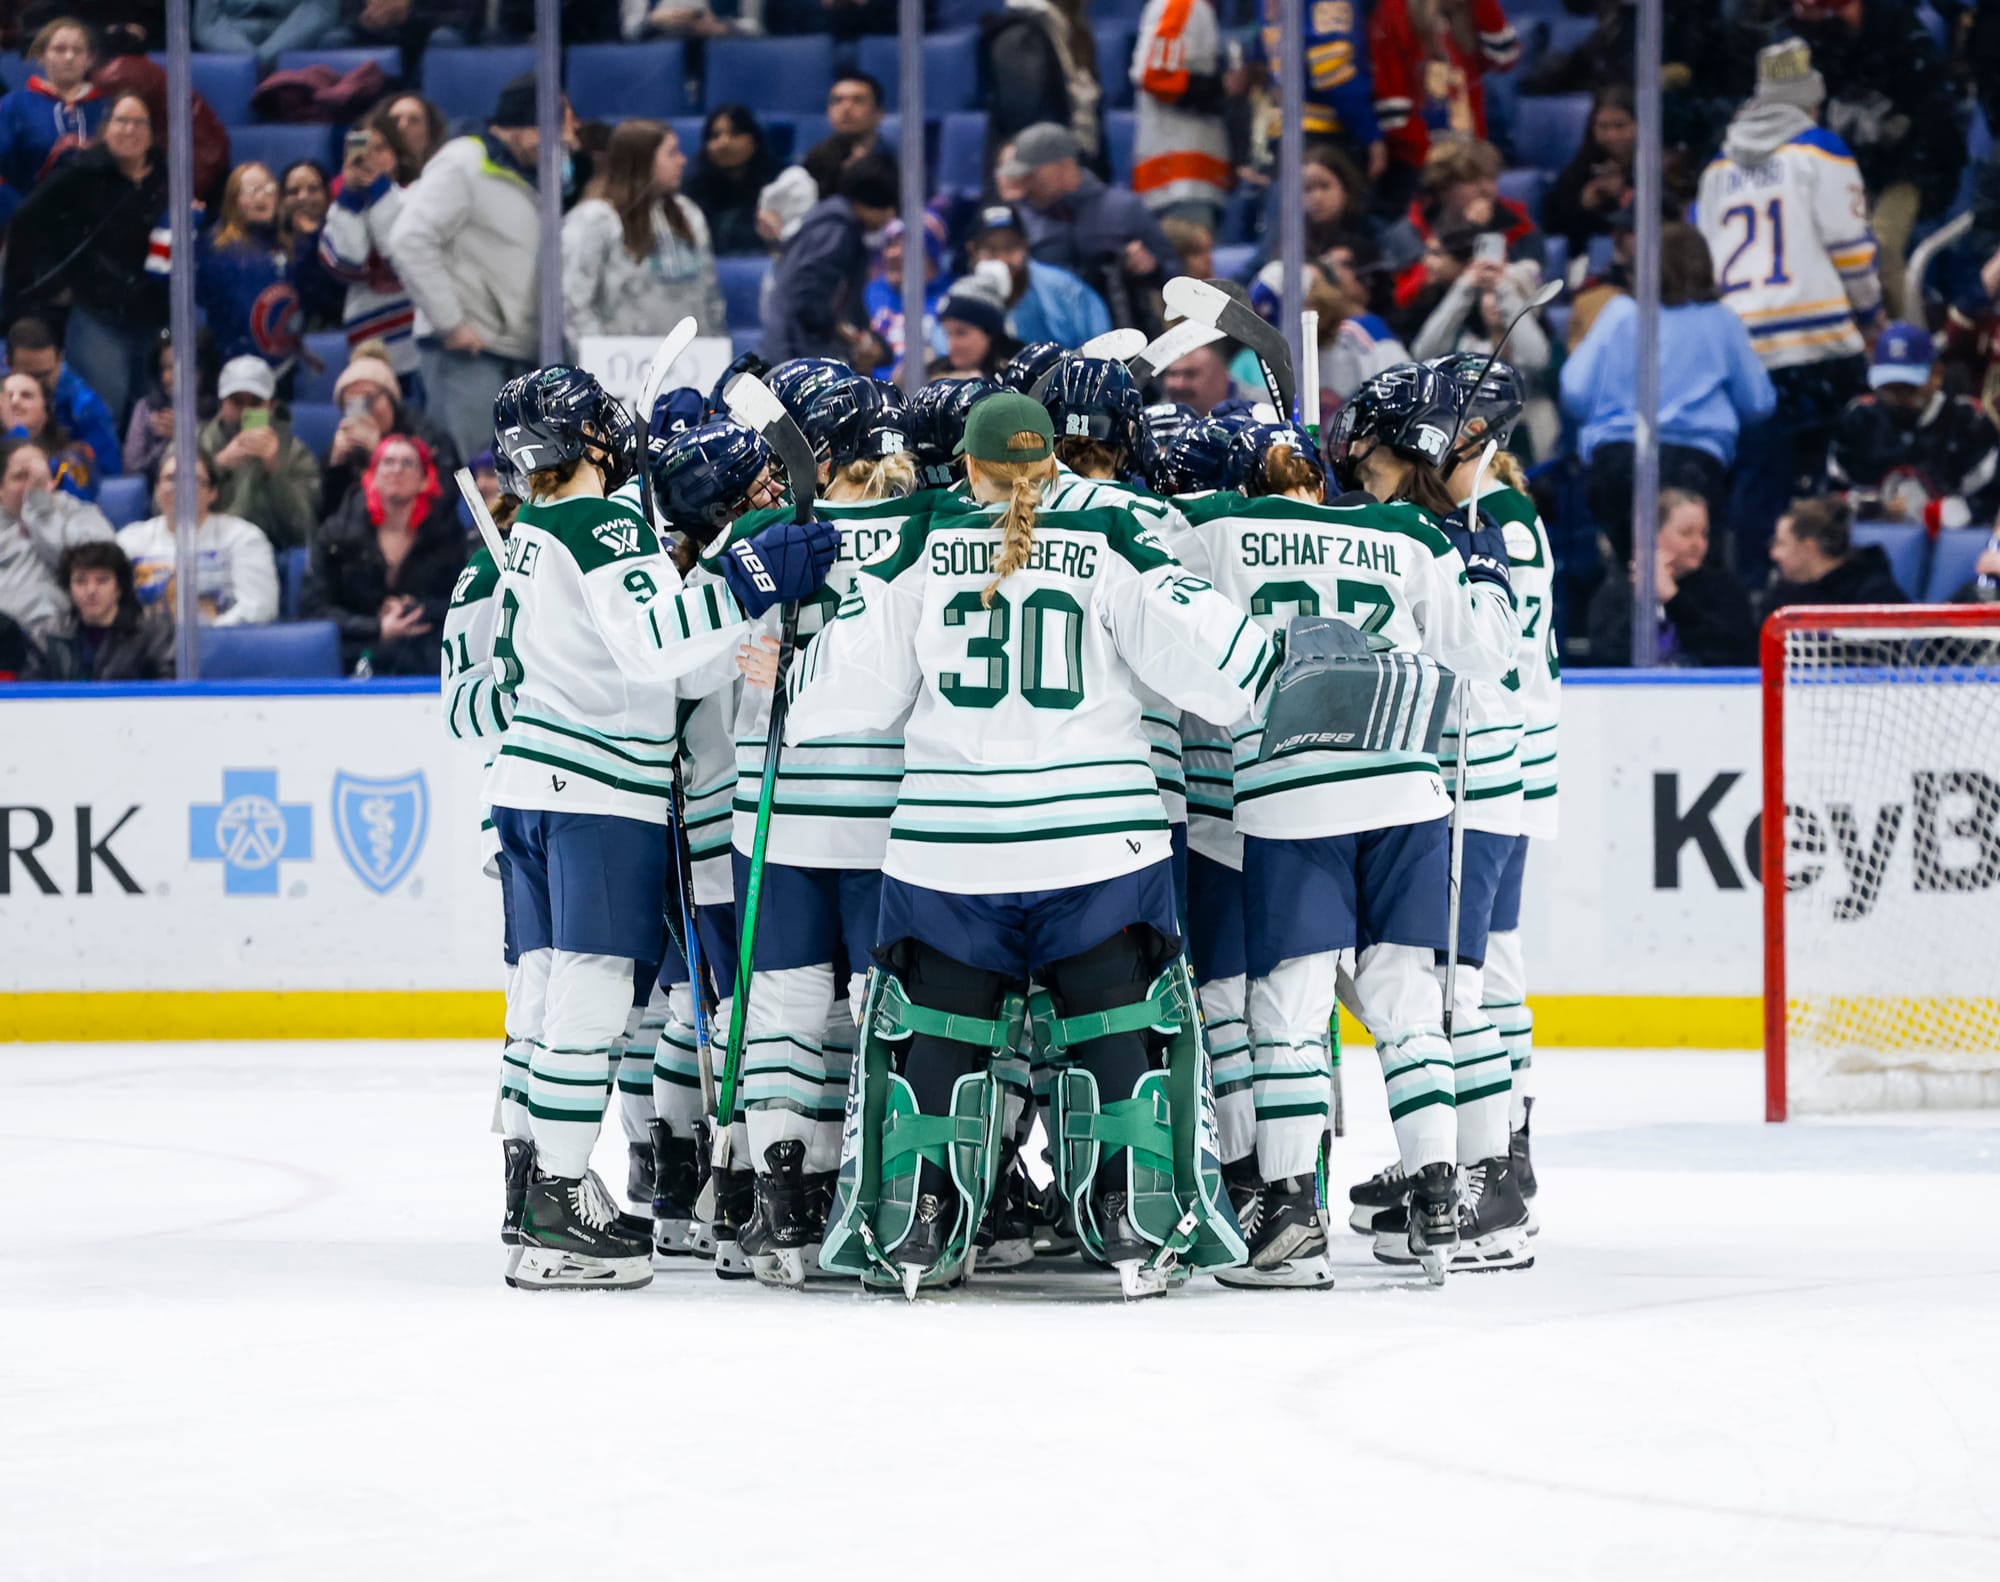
[(1167, 1128), (885, 1139)]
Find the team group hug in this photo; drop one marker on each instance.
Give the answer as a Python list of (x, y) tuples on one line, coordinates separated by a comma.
[(949, 825)]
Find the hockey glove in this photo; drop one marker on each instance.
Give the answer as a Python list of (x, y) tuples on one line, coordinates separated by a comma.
[(1483, 548), (787, 561)]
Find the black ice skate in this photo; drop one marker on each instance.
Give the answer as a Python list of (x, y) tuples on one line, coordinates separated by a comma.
[(1386, 1188), (925, 1243), (571, 1240), (1124, 1248), (1524, 1166), (628, 1222), (1434, 1219), (735, 1203), (775, 1239), (517, 1162), (1006, 1238), (1246, 1190), (642, 1165), (676, 1184), (1055, 1226), (1287, 1238), (1492, 1220)]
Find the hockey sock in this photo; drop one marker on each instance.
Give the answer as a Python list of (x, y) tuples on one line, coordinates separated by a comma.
[(1506, 992), (569, 1077), (527, 1002), (677, 1065), (1480, 1082), (1292, 1080), (1397, 998), (1229, 1061), (837, 1045), (784, 1059), (643, 1025)]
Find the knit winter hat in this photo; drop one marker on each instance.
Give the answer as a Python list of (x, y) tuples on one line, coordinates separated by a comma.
[(367, 370), (1785, 75), (971, 303)]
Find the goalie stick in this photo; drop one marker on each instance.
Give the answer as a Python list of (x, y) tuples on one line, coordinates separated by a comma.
[(1207, 304), (752, 404)]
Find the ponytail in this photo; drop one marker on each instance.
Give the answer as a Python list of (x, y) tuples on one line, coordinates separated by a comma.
[(1285, 469), (1506, 466), (880, 477), (1026, 480), (1425, 486)]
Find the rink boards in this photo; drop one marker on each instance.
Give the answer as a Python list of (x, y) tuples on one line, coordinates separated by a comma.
[(240, 860)]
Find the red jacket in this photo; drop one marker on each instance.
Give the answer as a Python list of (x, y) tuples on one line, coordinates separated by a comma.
[(1431, 86), (1509, 219)]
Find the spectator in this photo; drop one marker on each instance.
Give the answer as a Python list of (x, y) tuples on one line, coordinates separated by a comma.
[(266, 28), (372, 408), (1596, 184), (465, 245), (815, 304), (1480, 300), (421, 126), (1103, 235), (24, 414), (675, 19), (354, 242), (409, 25), (1818, 562), (246, 272), (975, 331), (1702, 611), (1887, 100), (56, 115), (884, 297), (735, 165), (1908, 452), (1354, 345), (1201, 379), (1193, 244), (1180, 154), (854, 111), (1800, 287), (486, 479), (152, 425), (1339, 94), (76, 408), (263, 471), (17, 654), (638, 260), (1429, 59), (237, 584), (1711, 387), (850, 19), (37, 523), (1334, 199), (146, 80), (1044, 303), (782, 208), (1587, 299), (108, 635), (303, 199), (1461, 193), (384, 563), (1038, 66), (88, 231)]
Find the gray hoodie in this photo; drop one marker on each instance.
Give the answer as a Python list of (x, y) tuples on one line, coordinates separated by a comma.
[(31, 544), (1759, 130)]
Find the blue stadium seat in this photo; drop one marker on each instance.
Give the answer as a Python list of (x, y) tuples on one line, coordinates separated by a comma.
[(1904, 543), (1241, 214), (313, 423), (746, 340), (1601, 255), (793, 136), (328, 348), (279, 146), (1527, 188), (14, 70), (389, 58), (299, 650), (609, 82), (124, 500), (1555, 257), (1237, 263), (1951, 561), (742, 283), (951, 70), (1115, 42), (688, 129), (950, 13), (464, 83), (227, 82), (1120, 131), (961, 161), (768, 72), (1556, 35), (292, 577), (1548, 129)]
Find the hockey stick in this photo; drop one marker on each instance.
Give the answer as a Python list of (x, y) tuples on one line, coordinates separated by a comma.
[(1460, 689), (1309, 350), (1163, 351), (489, 535), (1207, 304), (1118, 346), (1550, 290), (672, 344), (751, 403)]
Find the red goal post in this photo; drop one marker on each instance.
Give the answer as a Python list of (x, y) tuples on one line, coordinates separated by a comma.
[(1881, 953)]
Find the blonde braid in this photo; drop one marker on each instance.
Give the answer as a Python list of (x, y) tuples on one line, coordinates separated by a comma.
[(1506, 466), (1017, 523)]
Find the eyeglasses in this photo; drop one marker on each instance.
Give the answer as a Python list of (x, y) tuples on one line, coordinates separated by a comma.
[(397, 459), (258, 189)]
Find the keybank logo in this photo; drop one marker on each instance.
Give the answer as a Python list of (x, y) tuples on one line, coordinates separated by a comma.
[(379, 825), (250, 832)]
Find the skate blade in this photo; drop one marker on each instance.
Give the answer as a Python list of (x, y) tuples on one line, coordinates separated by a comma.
[(546, 1269), (671, 1239), (784, 1270), (912, 1279), (1534, 1220), (1393, 1247), (1361, 1219), (731, 1262), (514, 1252), (1138, 1282), (1436, 1262), (1313, 1273), (1506, 1249), (700, 1239), (1002, 1256)]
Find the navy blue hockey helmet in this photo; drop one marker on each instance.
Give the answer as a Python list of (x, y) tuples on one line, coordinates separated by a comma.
[(1024, 370), (561, 414), (797, 380), (937, 423), (1491, 396), (857, 420), (745, 363), (1094, 398), (506, 414), (702, 476), (677, 409), (1253, 446), (1409, 408), (1199, 457)]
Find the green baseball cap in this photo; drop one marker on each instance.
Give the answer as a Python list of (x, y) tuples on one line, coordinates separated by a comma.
[(997, 418)]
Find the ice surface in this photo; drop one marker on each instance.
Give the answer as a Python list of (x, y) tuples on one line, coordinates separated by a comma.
[(254, 1328)]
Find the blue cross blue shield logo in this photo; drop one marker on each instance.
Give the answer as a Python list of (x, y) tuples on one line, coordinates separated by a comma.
[(380, 826), (250, 831)]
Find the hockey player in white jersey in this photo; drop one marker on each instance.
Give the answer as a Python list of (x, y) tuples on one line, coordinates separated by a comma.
[(593, 630), (1028, 842), (1345, 845)]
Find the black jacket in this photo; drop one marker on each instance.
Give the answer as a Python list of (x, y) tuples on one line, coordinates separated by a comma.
[(728, 198), (816, 285), (86, 231), (137, 646), (1885, 97), (1709, 615), (347, 579), (337, 483), (1862, 578), (1953, 448)]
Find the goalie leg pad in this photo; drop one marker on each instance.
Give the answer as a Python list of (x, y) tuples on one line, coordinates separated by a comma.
[(1395, 993)]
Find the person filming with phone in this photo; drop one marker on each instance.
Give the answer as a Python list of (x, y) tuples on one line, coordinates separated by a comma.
[(263, 472), (370, 397), (1481, 294)]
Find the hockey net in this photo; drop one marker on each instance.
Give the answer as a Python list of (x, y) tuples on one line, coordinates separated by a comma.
[(1882, 811)]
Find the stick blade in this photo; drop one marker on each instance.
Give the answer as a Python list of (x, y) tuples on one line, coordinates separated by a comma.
[(672, 345), (1165, 350), (752, 404), (1115, 345), (1195, 299)]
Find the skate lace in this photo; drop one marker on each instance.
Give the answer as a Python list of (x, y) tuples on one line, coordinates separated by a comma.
[(1388, 1177), (593, 1204)]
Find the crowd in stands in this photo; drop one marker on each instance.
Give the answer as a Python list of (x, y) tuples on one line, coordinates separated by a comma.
[(1827, 421)]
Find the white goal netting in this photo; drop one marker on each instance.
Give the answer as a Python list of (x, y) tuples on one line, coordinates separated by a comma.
[(1891, 913)]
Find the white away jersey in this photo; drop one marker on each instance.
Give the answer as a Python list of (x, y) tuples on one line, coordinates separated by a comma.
[(1794, 255), (1027, 764), (1385, 569), (475, 709), (1536, 678)]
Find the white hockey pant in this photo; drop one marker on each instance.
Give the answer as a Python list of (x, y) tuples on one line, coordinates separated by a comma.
[(1506, 1003), (1394, 992), (1222, 1006), (570, 1062), (527, 1001), (1480, 1083)]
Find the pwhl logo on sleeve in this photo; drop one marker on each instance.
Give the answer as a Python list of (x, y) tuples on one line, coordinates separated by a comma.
[(250, 831), (380, 826)]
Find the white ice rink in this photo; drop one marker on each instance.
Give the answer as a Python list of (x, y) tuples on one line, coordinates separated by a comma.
[(253, 1327)]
